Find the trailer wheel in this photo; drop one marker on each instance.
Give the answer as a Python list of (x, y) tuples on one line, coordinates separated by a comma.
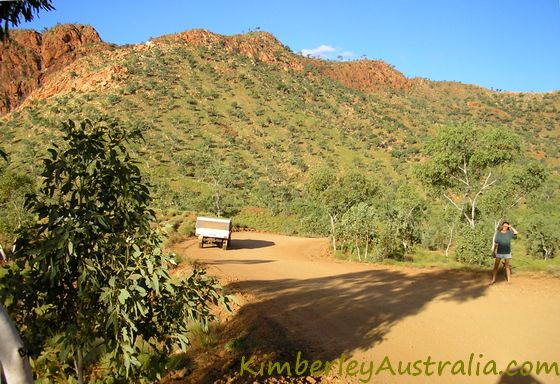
[(200, 241), (224, 244)]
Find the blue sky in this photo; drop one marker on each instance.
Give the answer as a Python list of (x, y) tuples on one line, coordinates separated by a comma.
[(512, 45)]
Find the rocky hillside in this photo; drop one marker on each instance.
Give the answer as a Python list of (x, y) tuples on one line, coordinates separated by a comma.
[(257, 46), (368, 76), (29, 56), (243, 113)]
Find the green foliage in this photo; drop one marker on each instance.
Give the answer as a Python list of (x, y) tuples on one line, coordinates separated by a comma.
[(338, 194), (187, 228), (12, 11), (458, 153), (543, 236), (222, 198), (474, 170), (442, 221), (463, 162), (91, 270), (406, 210), (474, 245), (542, 223), (390, 223), (265, 220), (219, 202), (274, 197), (357, 227), (312, 217), (517, 181), (400, 217), (318, 182), (346, 191), (13, 187)]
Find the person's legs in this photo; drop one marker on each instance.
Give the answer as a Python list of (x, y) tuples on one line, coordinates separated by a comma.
[(508, 271), (495, 271)]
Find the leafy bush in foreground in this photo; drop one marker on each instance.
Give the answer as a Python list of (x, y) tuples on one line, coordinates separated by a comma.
[(90, 272)]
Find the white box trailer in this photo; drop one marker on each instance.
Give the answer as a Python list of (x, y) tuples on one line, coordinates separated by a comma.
[(212, 230)]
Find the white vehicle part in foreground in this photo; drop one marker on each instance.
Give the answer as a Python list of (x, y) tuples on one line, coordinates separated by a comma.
[(13, 356)]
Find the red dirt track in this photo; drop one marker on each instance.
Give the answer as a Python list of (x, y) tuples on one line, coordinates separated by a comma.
[(367, 312)]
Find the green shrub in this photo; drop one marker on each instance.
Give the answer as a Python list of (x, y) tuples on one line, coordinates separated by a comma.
[(474, 246), (186, 228)]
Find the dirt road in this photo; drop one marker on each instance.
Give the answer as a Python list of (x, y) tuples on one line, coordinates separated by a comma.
[(369, 312)]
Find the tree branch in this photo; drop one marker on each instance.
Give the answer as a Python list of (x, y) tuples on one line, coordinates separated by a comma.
[(486, 185), (473, 200), (452, 202), (465, 169), (461, 180), (515, 202)]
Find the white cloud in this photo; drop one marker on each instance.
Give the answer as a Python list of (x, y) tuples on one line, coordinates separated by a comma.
[(320, 51), (327, 52), (347, 55)]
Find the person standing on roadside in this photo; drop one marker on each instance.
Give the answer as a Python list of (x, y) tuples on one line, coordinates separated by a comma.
[(502, 249)]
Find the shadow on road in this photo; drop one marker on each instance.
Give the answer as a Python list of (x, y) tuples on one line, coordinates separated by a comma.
[(518, 377), (325, 317), (355, 310), (249, 244)]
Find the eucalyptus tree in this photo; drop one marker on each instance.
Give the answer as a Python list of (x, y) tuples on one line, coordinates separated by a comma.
[(517, 182), (464, 162), (337, 194), (543, 237), (357, 226), (406, 209), (542, 221)]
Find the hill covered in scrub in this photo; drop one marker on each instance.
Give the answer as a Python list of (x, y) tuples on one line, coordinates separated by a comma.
[(240, 121)]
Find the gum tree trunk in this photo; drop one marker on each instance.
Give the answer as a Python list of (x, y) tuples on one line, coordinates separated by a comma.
[(332, 231)]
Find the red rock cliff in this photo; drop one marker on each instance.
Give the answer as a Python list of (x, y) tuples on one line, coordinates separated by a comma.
[(29, 55)]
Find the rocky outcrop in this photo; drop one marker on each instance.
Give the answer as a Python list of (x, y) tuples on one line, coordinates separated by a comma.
[(364, 75), (28, 56), (257, 46), (74, 78)]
